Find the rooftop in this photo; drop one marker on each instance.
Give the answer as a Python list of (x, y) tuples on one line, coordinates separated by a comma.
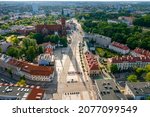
[(139, 88), (32, 69), (142, 51), (108, 90), (130, 59), (92, 62), (119, 45), (11, 91)]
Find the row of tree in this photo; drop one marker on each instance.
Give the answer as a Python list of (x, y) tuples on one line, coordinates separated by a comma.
[(49, 38), (132, 36)]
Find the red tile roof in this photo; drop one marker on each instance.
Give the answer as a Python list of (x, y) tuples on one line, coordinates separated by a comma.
[(92, 62), (142, 51), (56, 27), (119, 45), (31, 68), (130, 59), (48, 43), (48, 51), (36, 94)]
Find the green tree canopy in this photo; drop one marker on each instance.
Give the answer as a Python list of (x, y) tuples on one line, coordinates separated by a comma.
[(114, 68), (132, 78), (13, 52), (147, 77)]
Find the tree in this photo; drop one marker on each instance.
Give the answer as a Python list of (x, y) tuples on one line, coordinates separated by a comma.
[(13, 39), (147, 77), (31, 54), (132, 78), (114, 68), (147, 68), (37, 36), (1, 37), (22, 81), (40, 50), (27, 42), (63, 41), (139, 71), (13, 52)]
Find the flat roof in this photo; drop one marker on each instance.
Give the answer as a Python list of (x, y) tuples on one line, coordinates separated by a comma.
[(108, 90), (14, 91), (139, 88)]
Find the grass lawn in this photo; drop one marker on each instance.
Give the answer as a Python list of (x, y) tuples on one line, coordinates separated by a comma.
[(106, 53)]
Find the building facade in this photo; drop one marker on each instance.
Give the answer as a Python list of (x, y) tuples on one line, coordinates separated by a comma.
[(127, 62), (91, 64), (14, 92), (137, 90), (137, 52), (119, 48), (101, 40)]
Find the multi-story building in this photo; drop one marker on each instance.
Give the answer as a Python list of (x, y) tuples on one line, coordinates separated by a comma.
[(101, 40), (108, 90), (4, 45), (137, 90), (14, 92), (57, 29), (126, 62), (127, 20), (47, 58), (91, 64), (48, 45), (31, 71), (119, 48), (137, 52), (26, 30)]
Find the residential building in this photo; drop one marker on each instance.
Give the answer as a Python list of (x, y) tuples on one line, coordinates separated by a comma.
[(127, 62), (108, 90), (31, 71), (137, 52), (101, 40), (4, 45), (69, 12), (47, 58), (119, 48), (127, 20), (26, 30), (137, 90), (48, 45), (91, 64), (57, 29), (3, 32), (14, 92)]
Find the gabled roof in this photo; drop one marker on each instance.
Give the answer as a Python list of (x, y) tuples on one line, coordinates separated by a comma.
[(119, 45), (31, 69), (92, 62)]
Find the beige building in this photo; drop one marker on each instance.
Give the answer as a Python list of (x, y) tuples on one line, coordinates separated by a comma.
[(91, 64), (126, 62)]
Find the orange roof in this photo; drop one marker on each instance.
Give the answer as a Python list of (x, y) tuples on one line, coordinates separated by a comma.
[(31, 68), (119, 45), (54, 27), (36, 94), (92, 62), (48, 51)]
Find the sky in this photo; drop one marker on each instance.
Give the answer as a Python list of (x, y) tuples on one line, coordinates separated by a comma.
[(75, 0)]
